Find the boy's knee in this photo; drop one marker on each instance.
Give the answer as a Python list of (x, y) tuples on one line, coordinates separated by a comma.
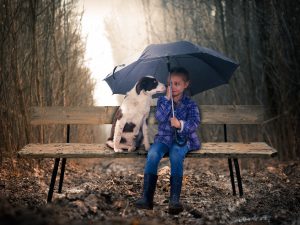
[(176, 158), (177, 152), (152, 155)]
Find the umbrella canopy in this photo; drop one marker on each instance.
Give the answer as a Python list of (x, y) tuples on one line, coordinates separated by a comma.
[(207, 68)]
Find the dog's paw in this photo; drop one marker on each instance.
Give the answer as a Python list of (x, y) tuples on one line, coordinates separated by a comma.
[(118, 150), (131, 149), (110, 144)]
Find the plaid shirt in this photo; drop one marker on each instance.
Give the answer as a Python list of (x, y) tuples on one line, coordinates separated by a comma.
[(187, 112)]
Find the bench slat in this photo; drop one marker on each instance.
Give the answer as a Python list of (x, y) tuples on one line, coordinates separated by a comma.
[(72, 115), (210, 114), (209, 150)]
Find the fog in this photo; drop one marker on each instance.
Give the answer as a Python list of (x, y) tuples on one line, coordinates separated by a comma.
[(125, 19)]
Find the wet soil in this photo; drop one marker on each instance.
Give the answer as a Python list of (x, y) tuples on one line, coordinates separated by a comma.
[(103, 191)]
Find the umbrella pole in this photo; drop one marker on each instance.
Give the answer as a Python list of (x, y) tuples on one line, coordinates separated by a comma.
[(179, 141), (171, 95)]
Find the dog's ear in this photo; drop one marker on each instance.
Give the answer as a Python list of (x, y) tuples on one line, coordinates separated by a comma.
[(140, 86), (146, 83)]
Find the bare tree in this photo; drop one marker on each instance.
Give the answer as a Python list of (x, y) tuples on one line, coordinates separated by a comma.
[(41, 64)]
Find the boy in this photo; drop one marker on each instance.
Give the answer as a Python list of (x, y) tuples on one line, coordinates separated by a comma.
[(186, 121)]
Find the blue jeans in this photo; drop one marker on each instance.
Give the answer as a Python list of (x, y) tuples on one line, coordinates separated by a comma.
[(176, 156)]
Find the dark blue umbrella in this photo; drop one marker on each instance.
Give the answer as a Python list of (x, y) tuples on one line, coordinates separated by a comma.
[(207, 68)]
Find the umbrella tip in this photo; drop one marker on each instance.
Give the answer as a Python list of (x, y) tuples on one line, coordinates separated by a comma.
[(114, 70)]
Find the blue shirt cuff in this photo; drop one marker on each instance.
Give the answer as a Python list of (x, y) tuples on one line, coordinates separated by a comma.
[(182, 125)]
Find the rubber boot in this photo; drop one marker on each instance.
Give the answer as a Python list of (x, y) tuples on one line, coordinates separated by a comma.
[(146, 202), (175, 206)]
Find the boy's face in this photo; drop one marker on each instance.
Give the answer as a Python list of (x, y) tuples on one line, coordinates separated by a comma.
[(178, 84)]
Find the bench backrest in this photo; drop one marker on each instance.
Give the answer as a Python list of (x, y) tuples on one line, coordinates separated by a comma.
[(210, 114)]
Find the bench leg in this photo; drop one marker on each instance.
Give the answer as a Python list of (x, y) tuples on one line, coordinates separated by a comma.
[(238, 176), (53, 178), (231, 176), (62, 174)]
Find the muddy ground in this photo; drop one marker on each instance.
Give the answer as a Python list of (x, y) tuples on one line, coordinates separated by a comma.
[(103, 191)]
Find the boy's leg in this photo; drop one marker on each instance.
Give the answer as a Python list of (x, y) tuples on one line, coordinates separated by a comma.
[(177, 155), (155, 153)]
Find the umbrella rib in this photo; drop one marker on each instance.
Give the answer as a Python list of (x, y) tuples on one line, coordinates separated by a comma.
[(177, 61), (157, 66)]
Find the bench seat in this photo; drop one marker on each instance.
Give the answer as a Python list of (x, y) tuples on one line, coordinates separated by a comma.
[(98, 115), (209, 150)]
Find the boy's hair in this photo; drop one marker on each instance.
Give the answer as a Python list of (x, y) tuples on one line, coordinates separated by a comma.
[(182, 72)]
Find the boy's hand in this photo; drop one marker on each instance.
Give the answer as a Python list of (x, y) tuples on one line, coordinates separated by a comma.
[(175, 123)]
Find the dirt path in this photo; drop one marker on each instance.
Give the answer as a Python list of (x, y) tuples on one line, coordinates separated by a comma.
[(104, 192)]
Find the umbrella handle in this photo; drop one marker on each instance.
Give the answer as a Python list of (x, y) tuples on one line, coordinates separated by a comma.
[(180, 141)]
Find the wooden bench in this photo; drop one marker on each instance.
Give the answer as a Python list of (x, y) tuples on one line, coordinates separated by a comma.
[(210, 114)]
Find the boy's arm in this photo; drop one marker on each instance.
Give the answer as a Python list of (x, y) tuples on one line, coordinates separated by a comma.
[(190, 125), (163, 109)]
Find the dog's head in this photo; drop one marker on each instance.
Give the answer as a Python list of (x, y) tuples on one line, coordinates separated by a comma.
[(149, 85)]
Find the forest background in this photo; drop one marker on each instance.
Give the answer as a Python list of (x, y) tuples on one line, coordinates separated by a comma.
[(42, 61)]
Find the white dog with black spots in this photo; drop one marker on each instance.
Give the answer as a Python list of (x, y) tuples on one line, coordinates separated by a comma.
[(129, 128)]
